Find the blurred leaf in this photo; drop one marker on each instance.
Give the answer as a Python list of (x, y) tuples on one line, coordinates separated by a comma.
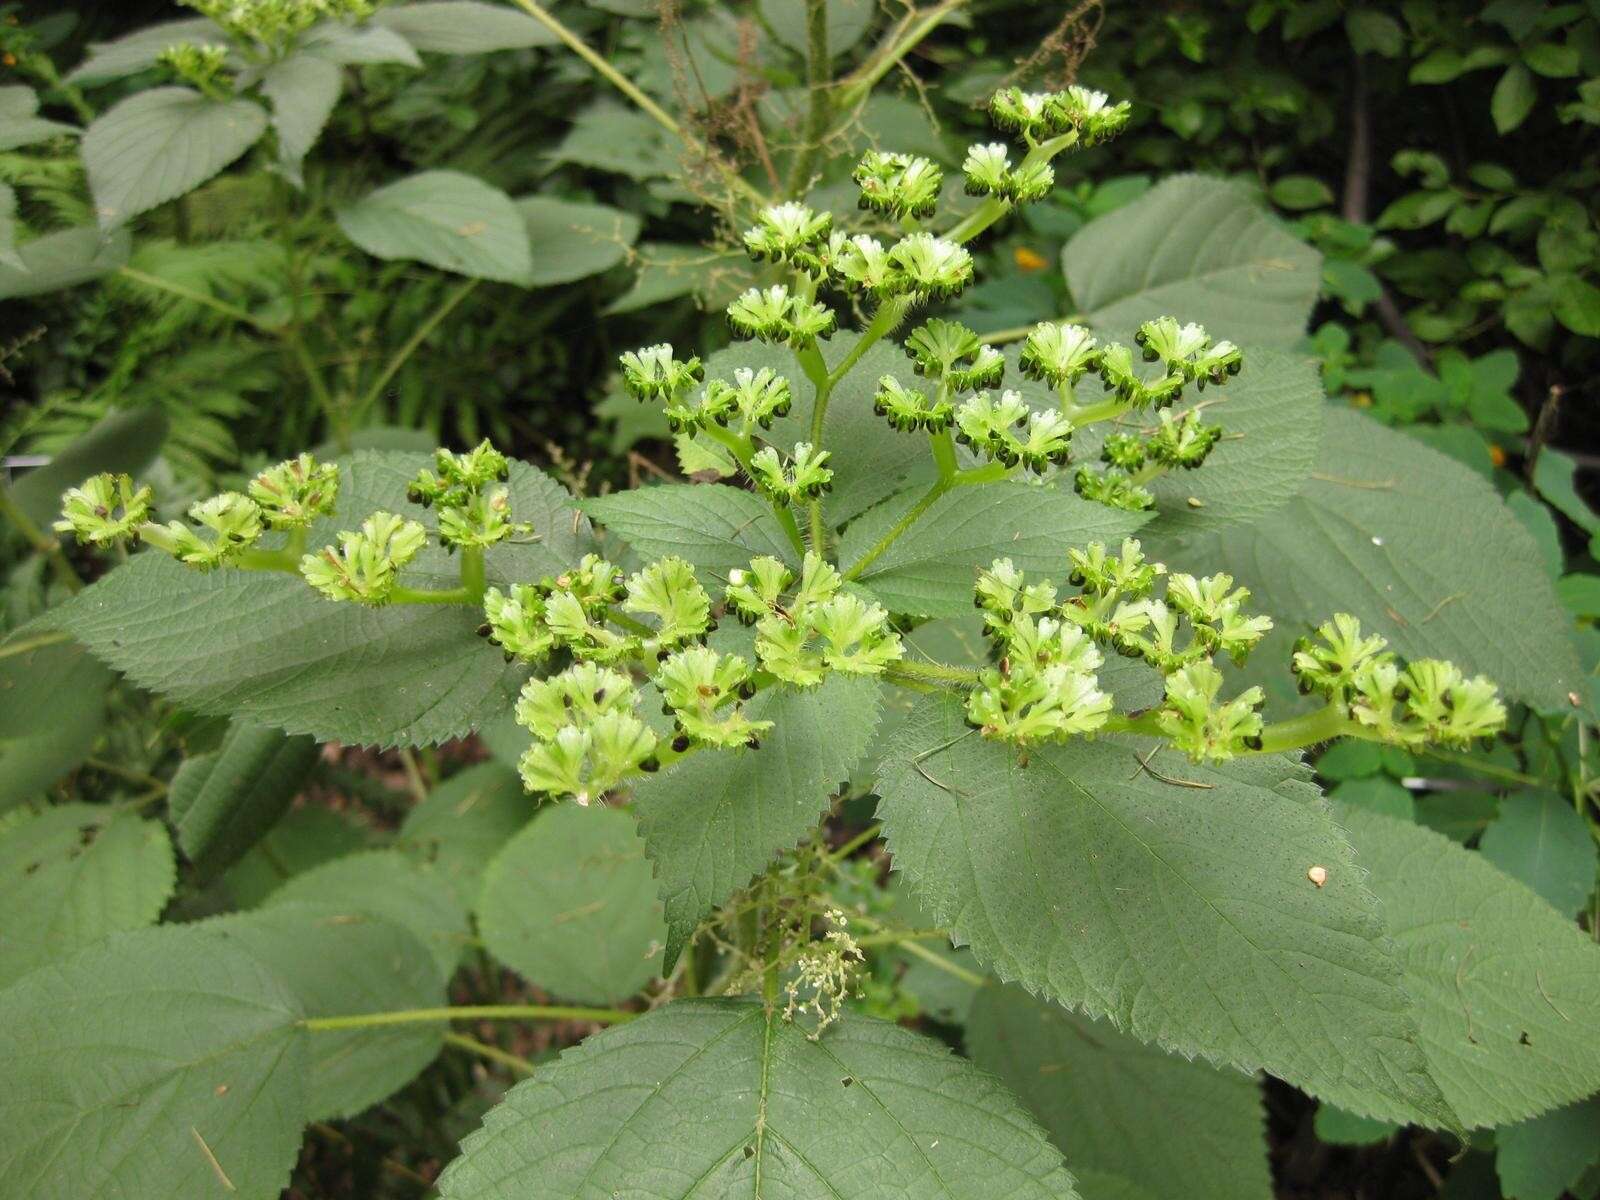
[(1540, 839), (1513, 99), (446, 219), (570, 240)]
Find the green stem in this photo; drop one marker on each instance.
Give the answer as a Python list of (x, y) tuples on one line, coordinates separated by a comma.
[(1322, 725), (944, 453), (646, 105), (1488, 769), (1017, 332), (991, 210), (742, 450), (855, 843), (33, 643), (473, 580), (819, 108), (493, 1053), (944, 964), (1105, 410), (1143, 724), (196, 296), (884, 322), (418, 336), (914, 27), (910, 518), (932, 672), (42, 542), (459, 595), (468, 1012)]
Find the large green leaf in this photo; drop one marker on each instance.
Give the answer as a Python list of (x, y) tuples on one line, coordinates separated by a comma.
[(715, 527), (465, 821), (124, 441), (388, 885), (73, 874), (1540, 839), (64, 259), (1546, 1157), (1422, 550), (1198, 249), (720, 816), (724, 1098), (848, 22), (1115, 1105), (52, 710), (140, 49), (930, 569), (446, 219), (20, 124), (156, 145), (1180, 910), (1507, 989), (307, 837), (1271, 417), (569, 904), (571, 240), (163, 1063), (266, 648), (223, 801), (463, 26), (335, 965), (303, 89)]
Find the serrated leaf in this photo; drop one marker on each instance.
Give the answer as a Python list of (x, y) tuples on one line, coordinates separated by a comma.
[(1539, 839), (162, 1063), (156, 145), (140, 49), (1507, 990), (1421, 549), (723, 1098), (336, 965), (1272, 421), (1090, 879), (72, 875), (64, 259), (1544, 1158), (1112, 1104), (930, 570), (446, 219), (276, 653), (222, 802), (52, 710), (718, 817), (122, 441), (572, 240), (465, 821), (1198, 249), (570, 905), (463, 26), (19, 123), (714, 526), (388, 885), (302, 88)]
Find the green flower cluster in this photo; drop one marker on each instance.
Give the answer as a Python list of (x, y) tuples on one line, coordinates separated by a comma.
[(1426, 701), (473, 510), (1087, 117), (196, 65), (809, 627), (588, 734), (277, 22)]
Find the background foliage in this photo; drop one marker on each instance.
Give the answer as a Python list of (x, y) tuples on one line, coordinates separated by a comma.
[(1414, 188)]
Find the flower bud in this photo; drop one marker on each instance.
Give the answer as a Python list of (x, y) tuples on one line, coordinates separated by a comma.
[(104, 510)]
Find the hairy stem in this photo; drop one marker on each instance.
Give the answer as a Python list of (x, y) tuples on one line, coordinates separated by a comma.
[(1322, 725), (901, 41), (468, 1012), (456, 595), (944, 453), (473, 580), (819, 105), (911, 516), (932, 672)]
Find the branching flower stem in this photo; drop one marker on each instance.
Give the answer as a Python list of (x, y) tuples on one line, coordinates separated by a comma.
[(743, 450)]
